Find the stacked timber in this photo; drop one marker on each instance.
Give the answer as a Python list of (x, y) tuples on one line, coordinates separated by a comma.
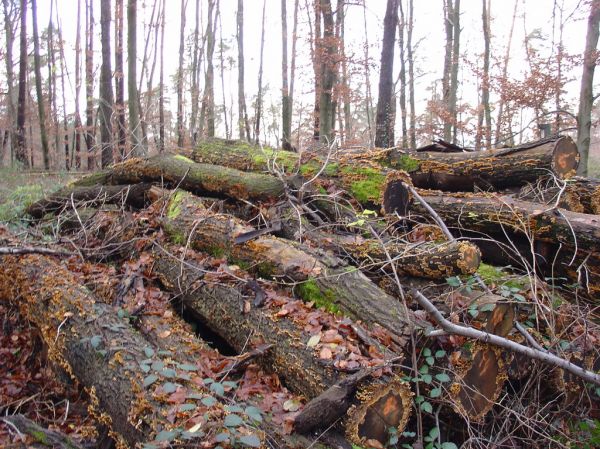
[(305, 266)]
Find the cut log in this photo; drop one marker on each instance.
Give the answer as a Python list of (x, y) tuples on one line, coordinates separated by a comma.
[(301, 360), (577, 194), (497, 169), (566, 243), (325, 280), (179, 171), (133, 195), (41, 435), (358, 174)]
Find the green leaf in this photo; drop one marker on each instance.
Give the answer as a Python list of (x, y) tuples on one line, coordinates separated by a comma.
[(233, 420), (359, 222), (145, 368), (409, 434), (208, 401), (229, 384), (519, 297), (427, 378), (217, 388), (419, 399), (150, 380), (254, 413), (442, 377), (234, 408), (393, 440), (169, 387), (487, 307), (426, 352), (424, 369), (187, 407), (168, 372), (453, 281), (187, 367), (434, 433), (249, 440), (473, 312), (426, 407), (440, 353), (95, 341), (435, 393), (223, 436), (449, 445), (167, 435), (430, 360), (148, 351), (157, 365)]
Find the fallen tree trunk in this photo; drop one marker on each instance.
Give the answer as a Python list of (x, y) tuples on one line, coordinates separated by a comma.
[(565, 243), (133, 195), (179, 171), (327, 281), (497, 169), (301, 359), (365, 180), (575, 194)]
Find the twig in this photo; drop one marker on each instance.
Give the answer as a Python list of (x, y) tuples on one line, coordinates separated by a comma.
[(19, 250), (546, 357)]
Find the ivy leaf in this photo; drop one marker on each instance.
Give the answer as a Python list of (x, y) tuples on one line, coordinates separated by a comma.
[(187, 367), (150, 380), (168, 372), (427, 378), (453, 281), (449, 445), (169, 387), (442, 377), (426, 407), (254, 413), (430, 360), (187, 407), (217, 388), (95, 341), (148, 351), (208, 401), (434, 433), (435, 393), (167, 435), (223, 436), (487, 307), (440, 353), (233, 420)]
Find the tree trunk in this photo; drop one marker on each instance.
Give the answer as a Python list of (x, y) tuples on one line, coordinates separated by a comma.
[(195, 75), (329, 61), (259, 96), (384, 120), (135, 126), (207, 112), (120, 83), (106, 93), (454, 70), (577, 194), (411, 78), (10, 77), (78, 124), (243, 125), (448, 7), (366, 64), (90, 132), (161, 94), (402, 76), (38, 86), (21, 143), (286, 111), (180, 126), (499, 168), (586, 94)]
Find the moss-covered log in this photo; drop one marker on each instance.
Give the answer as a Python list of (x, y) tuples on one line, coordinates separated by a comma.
[(300, 359), (180, 171), (358, 174), (498, 169), (325, 280), (576, 194), (565, 243), (87, 339), (133, 195)]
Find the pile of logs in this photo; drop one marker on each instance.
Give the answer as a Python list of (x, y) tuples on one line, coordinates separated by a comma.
[(307, 266)]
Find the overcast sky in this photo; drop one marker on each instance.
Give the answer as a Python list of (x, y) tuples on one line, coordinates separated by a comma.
[(428, 36)]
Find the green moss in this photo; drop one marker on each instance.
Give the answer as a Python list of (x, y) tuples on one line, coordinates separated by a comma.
[(181, 157), (265, 270), (367, 187), (407, 163), (309, 291), (244, 265), (174, 208), (490, 274), (18, 200), (216, 251), (40, 437)]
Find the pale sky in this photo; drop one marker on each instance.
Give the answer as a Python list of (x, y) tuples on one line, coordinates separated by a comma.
[(428, 36)]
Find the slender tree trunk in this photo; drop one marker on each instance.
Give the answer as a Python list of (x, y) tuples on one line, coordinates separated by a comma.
[(243, 124), (384, 132), (120, 82), (328, 49), (207, 112), (10, 77), (586, 93), (222, 63), (106, 92), (403, 114), (485, 89), (52, 89), (90, 129), (195, 74), (180, 126), (411, 77), (63, 75), (259, 98), (345, 87), (454, 71), (286, 112), (135, 128), (368, 100), (161, 92), (149, 103), (78, 125), (21, 147), (448, 15), (293, 62), (38, 86), (502, 100)]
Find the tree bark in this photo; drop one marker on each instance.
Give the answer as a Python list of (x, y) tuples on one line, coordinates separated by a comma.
[(286, 110), (259, 96), (21, 142), (180, 125), (135, 126), (384, 120), (586, 94), (454, 68), (106, 93), (161, 94), (120, 83), (243, 125), (38, 86), (577, 194), (9, 28), (90, 131), (207, 112), (497, 168), (328, 61)]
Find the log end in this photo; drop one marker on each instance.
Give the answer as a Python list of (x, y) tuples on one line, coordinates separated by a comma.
[(381, 407), (476, 389), (565, 157), (470, 257), (395, 198)]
